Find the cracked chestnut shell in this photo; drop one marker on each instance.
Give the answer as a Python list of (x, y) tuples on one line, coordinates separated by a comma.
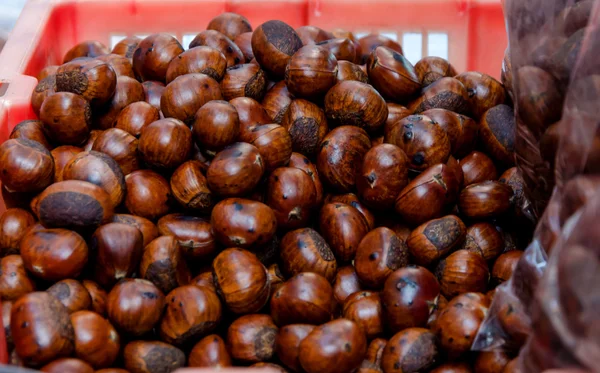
[(216, 125), (190, 187), (274, 43), (202, 59), (350, 102), (152, 356), (305, 250), (462, 272), (335, 347), (72, 294), (436, 238), (292, 196), (411, 350), (343, 227), (148, 194), (392, 75), (153, 55), (92, 79), (209, 352), (96, 340), (311, 72), (287, 344), (14, 223), (244, 80), (194, 235), (236, 170), (497, 132), (431, 69), (120, 146), (67, 118), (216, 40), (185, 95), (162, 264), (307, 126), (14, 280), (251, 338), (446, 93), (484, 91), (365, 309), (276, 101)]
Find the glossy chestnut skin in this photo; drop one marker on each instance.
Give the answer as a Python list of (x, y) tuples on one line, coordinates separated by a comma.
[(350, 102), (244, 42), (436, 238), (148, 229), (244, 80), (462, 131), (491, 362), (185, 95), (230, 24), (41, 329), (251, 338), (484, 91), (459, 322), (120, 64), (194, 235), (135, 306), (89, 144), (250, 112), (126, 47), (372, 361), (236, 170), (152, 356), (485, 200), (62, 155), (462, 272), (156, 144), (162, 264), (431, 69), (96, 340), (365, 309), (445, 93), (454, 367), (153, 91), (311, 72), (241, 280), (54, 254), (202, 59), (337, 346), (216, 40), (276, 101), (204, 279), (99, 169), (67, 365), (379, 253), (120, 146), (31, 130), (343, 227), (338, 160), (25, 166), (209, 352), (424, 142), (350, 71), (301, 162), (306, 298), (383, 175), (112, 370), (98, 295), (14, 223), (477, 167), (352, 200), (93, 79), (274, 43), (273, 142), (153, 55), (307, 126), (287, 344), (345, 284), (497, 132), (311, 35), (135, 116), (118, 250), (85, 49), (216, 125), (392, 75), (341, 48), (128, 91), (305, 250), (14, 281), (72, 294), (426, 195), (484, 239), (243, 223), (44, 89), (505, 265), (411, 350), (370, 42), (292, 196), (540, 103), (191, 312), (148, 194)]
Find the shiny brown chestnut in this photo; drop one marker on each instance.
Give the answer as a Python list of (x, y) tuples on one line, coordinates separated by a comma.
[(72, 294), (513, 178), (273, 43), (44, 89), (306, 298), (14, 223), (485, 200), (156, 144), (491, 362), (120, 64), (540, 100), (135, 116), (96, 340), (98, 295), (436, 238), (185, 95), (287, 344), (85, 49), (343, 49), (383, 175), (250, 112), (301, 162), (392, 75), (340, 155), (453, 367), (67, 364), (497, 132), (230, 24), (193, 234), (152, 356), (209, 352), (431, 69), (379, 253), (462, 272), (346, 283), (396, 112), (67, 118), (135, 306), (461, 130), (372, 361), (350, 102), (352, 200), (204, 279), (251, 338), (276, 101), (307, 126), (445, 93), (350, 71), (46, 72), (311, 72), (365, 309), (216, 40), (244, 80), (153, 55), (370, 42), (92, 79), (54, 254), (343, 227), (128, 91), (236, 170), (273, 142), (89, 144), (14, 280), (244, 42), (291, 195), (148, 194), (162, 264), (120, 146), (311, 35), (153, 91), (305, 250), (336, 347), (477, 167), (484, 239), (216, 125), (202, 59), (148, 229), (32, 129), (126, 47), (484, 91), (411, 350), (62, 155), (505, 265), (190, 188)]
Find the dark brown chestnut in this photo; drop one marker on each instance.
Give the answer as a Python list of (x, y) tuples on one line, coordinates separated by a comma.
[(307, 126), (128, 91), (273, 142), (153, 91), (244, 80), (301, 162), (392, 75), (72, 294), (462, 272), (372, 361), (96, 340), (14, 280), (216, 125), (148, 194), (67, 118), (411, 350), (210, 352), (341, 48), (311, 72), (67, 364), (343, 227), (305, 250), (190, 188), (484, 239), (370, 42), (163, 265), (153, 55), (185, 95), (120, 64), (152, 356), (216, 40), (244, 42), (120, 146), (311, 35), (453, 367), (31, 129), (346, 283), (135, 116), (291, 195), (352, 200), (148, 229), (287, 344), (44, 89), (273, 43), (477, 167), (350, 71), (461, 130), (251, 113), (435, 239), (230, 24), (365, 309), (431, 69), (485, 200), (204, 60), (14, 223), (236, 170), (92, 79), (156, 144), (276, 101), (98, 295), (126, 47), (85, 49), (89, 144), (497, 132), (445, 93), (251, 338), (193, 234), (505, 265), (491, 362), (484, 91)]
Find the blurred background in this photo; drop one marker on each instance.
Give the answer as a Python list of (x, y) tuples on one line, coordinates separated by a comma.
[(9, 12)]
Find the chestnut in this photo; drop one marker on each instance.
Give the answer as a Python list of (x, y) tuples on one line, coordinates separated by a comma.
[(462, 272), (300, 161), (98, 295), (185, 95), (336, 347), (343, 49), (120, 146), (44, 89), (120, 64), (153, 55), (135, 116), (148, 194), (72, 294), (274, 43), (126, 47), (513, 178), (491, 361), (287, 344), (89, 144), (396, 112), (216, 125), (426, 196), (25, 166), (236, 170), (191, 312), (31, 130), (46, 72), (153, 92), (379, 253), (243, 223), (461, 130), (276, 278), (216, 40), (251, 338), (305, 250), (383, 175), (6, 309), (484, 239), (135, 306), (41, 329), (445, 93), (346, 283), (148, 229), (62, 156), (539, 101), (112, 370), (411, 350), (477, 167), (99, 169), (14, 281), (54, 254), (85, 49), (244, 80), (193, 234), (204, 60), (505, 265), (67, 365), (163, 265), (311, 35), (352, 200), (276, 101), (349, 71), (436, 238), (250, 112), (307, 126), (14, 223), (241, 280), (244, 42), (210, 352), (392, 74), (430, 69), (118, 250), (424, 142), (273, 142), (365, 309), (497, 132), (453, 367), (372, 361), (230, 24), (93, 79), (152, 356), (350, 102), (340, 155), (459, 322), (485, 200), (156, 144), (128, 91), (204, 279), (311, 72), (370, 42), (409, 297), (454, 167), (343, 227), (96, 340), (291, 195), (484, 91)]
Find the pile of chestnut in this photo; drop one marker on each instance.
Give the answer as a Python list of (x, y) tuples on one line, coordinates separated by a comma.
[(295, 199)]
